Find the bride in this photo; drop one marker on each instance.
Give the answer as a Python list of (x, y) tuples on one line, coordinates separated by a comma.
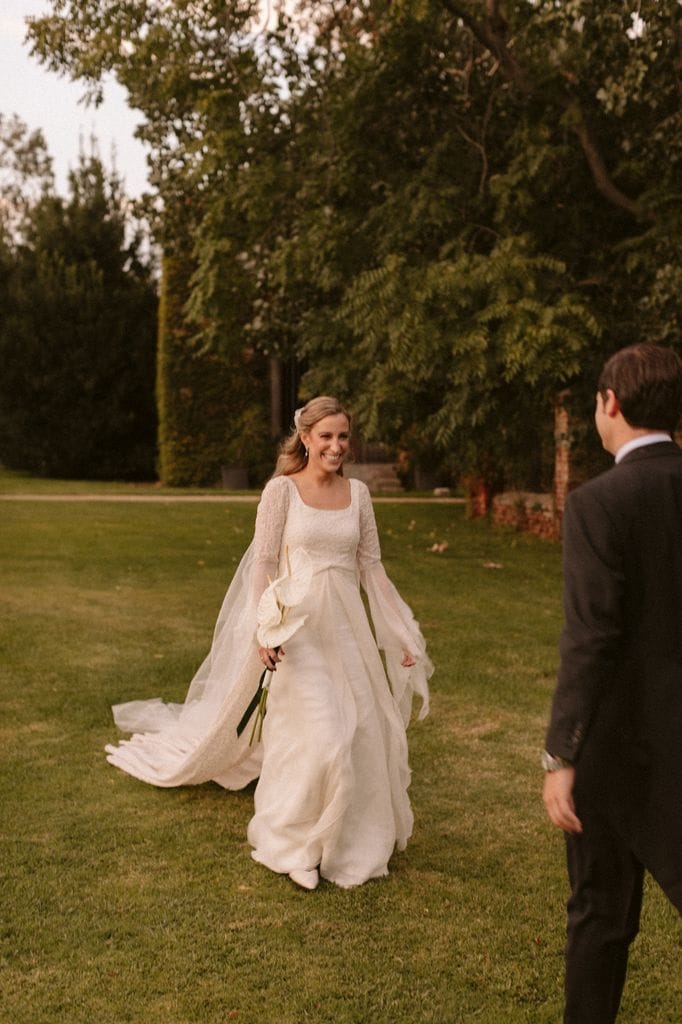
[(331, 762)]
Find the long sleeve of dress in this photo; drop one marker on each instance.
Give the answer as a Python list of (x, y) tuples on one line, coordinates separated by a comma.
[(397, 631), (267, 541)]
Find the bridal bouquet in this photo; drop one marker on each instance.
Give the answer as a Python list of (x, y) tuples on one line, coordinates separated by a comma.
[(275, 625)]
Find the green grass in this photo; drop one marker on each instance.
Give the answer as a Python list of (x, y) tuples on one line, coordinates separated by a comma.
[(124, 903), (14, 482)]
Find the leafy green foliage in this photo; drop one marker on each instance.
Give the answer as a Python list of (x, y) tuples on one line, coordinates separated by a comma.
[(211, 409), (446, 210), (77, 337), (457, 338)]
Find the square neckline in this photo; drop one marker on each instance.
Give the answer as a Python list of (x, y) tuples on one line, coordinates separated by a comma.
[(315, 508)]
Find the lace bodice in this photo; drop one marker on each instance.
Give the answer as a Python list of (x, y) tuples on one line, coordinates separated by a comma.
[(344, 538)]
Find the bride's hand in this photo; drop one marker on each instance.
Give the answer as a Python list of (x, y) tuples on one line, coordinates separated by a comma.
[(270, 656), (408, 660)]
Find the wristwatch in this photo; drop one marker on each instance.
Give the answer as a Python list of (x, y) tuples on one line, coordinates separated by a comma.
[(551, 763)]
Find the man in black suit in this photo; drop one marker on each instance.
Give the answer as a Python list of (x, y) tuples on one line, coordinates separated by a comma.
[(613, 757)]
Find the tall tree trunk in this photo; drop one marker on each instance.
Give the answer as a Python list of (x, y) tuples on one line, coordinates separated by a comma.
[(276, 396)]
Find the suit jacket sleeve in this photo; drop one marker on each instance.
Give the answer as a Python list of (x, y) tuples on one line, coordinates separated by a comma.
[(593, 618)]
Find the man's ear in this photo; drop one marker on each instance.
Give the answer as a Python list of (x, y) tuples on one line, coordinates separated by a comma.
[(611, 404)]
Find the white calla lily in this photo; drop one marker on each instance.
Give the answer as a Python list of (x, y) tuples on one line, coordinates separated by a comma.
[(275, 635), (274, 624), (294, 586)]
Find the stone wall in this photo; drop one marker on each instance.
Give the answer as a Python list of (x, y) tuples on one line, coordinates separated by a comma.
[(380, 477), (540, 514), (524, 510)]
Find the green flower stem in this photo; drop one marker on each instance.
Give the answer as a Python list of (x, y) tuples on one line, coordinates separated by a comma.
[(258, 703)]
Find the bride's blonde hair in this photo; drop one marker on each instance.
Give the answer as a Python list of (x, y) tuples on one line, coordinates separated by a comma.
[(292, 457)]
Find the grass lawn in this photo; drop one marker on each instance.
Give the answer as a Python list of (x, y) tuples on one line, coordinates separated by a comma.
[(15, 482), (125, 903)]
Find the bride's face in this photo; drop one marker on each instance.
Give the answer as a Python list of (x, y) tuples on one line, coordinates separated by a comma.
[(327, 442)]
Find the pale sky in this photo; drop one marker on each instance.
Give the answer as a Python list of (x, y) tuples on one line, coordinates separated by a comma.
[(46, 101)]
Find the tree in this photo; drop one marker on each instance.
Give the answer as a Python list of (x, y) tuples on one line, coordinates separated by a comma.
[(212, 413), (574, 139), (446, 209), (191, 70), (25, 176), (77, 341)]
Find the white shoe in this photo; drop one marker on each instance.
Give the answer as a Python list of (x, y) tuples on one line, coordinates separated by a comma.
[(306, 879)]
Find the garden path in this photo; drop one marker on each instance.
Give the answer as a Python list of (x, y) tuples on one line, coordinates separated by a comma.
[(216, 498)]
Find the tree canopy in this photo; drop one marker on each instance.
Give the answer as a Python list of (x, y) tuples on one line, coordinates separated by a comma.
[(444, 209), (77, 334)]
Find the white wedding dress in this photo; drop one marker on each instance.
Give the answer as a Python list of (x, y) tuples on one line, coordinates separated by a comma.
[(332, 764)]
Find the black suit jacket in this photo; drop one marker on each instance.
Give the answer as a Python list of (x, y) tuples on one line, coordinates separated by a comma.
[(617, 707)]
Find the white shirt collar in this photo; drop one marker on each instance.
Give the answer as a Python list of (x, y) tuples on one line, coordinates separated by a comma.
[(639, 442)]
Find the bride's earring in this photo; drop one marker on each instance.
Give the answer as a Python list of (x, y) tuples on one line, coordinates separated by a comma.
[(306, 453)]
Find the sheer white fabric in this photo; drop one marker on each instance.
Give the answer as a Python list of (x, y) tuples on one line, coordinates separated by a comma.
[(333, 758)]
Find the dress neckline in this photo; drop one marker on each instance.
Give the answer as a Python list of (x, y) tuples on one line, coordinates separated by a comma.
[(315, 508)]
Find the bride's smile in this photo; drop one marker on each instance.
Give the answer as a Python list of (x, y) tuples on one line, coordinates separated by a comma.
[(328, 442)]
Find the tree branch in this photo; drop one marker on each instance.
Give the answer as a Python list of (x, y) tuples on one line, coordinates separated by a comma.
[(484, 156), (480, 146), (492, 34), (600, 174), (498, 22)]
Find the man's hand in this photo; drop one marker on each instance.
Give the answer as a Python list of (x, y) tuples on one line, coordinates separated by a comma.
[(558, 797)]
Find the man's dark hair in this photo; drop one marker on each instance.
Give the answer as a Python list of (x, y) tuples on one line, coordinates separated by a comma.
[(647, 381)]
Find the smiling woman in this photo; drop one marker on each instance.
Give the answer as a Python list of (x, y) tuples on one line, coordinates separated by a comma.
[(315, 452), (331, 799)]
